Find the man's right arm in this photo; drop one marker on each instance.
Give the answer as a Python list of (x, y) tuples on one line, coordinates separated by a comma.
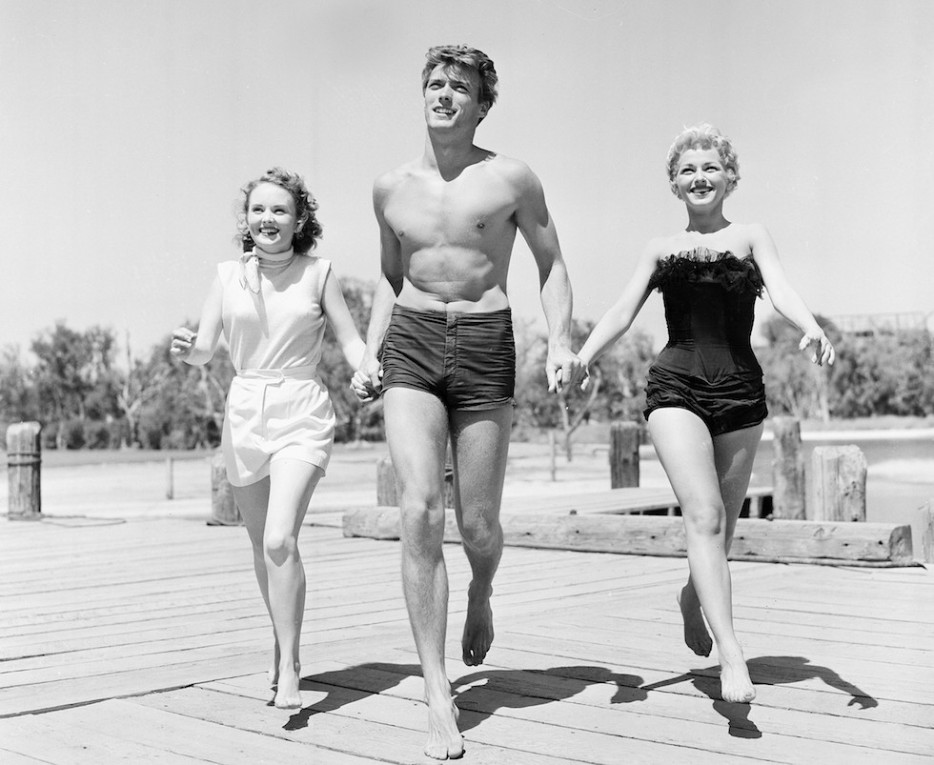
[(388, 286)]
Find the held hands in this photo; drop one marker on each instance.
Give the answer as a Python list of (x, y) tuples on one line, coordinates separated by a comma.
[(183, 341), (367, 380), (585, 381), (822, 351), (563, 370)]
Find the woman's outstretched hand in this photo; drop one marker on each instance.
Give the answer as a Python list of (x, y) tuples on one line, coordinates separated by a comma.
[(822, 351), (183, 340)]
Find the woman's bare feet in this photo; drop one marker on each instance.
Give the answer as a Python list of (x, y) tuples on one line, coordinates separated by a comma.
[(735, 684), (288, 695), (445, 741), (696, 636), (478, 627)]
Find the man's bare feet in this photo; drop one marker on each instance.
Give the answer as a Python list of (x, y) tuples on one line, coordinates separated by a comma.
[(735, 684), (288, 695), (696, 636), (445, 741), (272, 674), (478, 627)]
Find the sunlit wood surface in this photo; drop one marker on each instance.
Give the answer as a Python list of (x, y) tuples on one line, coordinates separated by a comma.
[(147, 641)]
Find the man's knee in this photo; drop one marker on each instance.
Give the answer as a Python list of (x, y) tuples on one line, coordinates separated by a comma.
[(482, 533), (422, 524)]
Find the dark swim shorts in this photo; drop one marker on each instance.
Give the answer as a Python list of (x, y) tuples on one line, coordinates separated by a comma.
[(468, 360), (731, 403)]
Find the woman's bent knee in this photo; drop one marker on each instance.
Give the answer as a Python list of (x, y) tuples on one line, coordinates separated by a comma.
[(279, 547), (705, 520)]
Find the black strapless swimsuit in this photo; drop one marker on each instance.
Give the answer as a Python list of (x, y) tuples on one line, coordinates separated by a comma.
[(708, 366)]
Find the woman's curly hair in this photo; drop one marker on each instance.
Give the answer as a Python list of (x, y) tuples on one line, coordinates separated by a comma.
[(704, 136), (309, 231)]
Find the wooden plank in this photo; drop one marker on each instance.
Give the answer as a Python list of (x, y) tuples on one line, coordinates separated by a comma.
[(899, 683), (597, 666), (596, 703), (186, 736), (754, 540), (385, 730), (580, 738), (51, 742), (858, 673), (9, 757), (588, 664)]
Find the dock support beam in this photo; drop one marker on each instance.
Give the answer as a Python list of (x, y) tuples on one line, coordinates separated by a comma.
[(24, 459)]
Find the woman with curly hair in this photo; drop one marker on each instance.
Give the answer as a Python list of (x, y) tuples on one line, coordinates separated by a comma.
[(705, 400), (272, 306)]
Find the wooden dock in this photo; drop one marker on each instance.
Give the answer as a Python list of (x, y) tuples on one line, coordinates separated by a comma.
[(146, 641)]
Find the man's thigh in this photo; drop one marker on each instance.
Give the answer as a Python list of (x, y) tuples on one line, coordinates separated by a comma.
[(480, 447), (417, 434)]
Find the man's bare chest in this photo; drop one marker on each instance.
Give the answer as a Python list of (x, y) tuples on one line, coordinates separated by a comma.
[(427, 212)]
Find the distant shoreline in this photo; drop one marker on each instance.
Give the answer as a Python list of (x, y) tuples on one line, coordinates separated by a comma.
[(888, 428)]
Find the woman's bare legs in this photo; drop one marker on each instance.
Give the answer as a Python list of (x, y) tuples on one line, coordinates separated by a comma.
[(709, 476), (273, 528), (252, 501)]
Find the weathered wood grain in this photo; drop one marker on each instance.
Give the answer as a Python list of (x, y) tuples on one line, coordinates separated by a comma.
[(754, 539), (147, 642)]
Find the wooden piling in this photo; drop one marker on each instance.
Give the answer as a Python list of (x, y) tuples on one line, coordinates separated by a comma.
[(788, 499), (552, 453), (624, 454), (169, 478), (24, 459), (927, 532), (387, 486), (837, 484), (388, 492), (224, 510)]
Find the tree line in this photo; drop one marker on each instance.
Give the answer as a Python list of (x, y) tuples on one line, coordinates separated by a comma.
[(84, 398)]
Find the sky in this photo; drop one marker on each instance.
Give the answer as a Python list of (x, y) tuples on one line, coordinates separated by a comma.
[(128, 126)]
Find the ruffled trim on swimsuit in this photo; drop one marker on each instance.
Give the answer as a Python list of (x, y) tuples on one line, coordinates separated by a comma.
[(701, 265)]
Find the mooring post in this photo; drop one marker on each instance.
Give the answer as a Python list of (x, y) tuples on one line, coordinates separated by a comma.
[(787, 470), (926, 514), (169, 478), (552, 456), (387, 490), (24, 459), (624, 454), (837, 484), (388, 493), (224, 510)]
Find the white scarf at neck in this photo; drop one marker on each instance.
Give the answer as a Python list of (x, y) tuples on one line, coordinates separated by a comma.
[(250, 263)]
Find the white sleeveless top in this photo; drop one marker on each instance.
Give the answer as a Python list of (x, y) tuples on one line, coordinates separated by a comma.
[(282, 326)]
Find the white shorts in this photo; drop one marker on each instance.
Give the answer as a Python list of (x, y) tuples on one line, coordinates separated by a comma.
[(275, 414)]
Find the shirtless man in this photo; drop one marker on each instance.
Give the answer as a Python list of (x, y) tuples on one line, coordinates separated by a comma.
[(440, 347)]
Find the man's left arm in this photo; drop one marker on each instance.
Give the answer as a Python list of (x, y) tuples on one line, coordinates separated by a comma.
[(562, 367)]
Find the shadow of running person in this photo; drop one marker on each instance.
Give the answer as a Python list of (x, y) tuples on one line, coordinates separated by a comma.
[(784, 670), (348, 685), (764, 670), (483, 693)]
